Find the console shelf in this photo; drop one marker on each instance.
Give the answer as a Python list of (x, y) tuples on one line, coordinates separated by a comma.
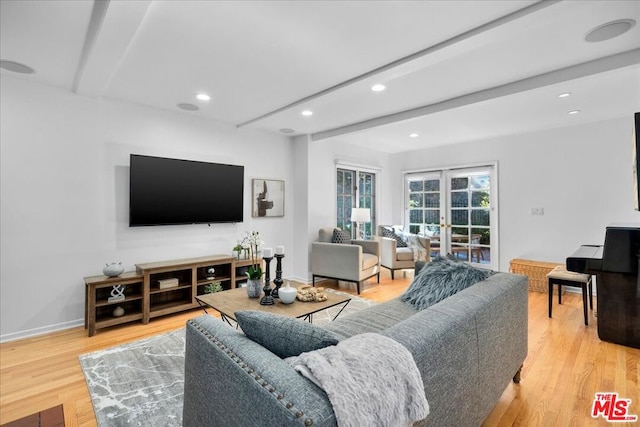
[(145, 300)]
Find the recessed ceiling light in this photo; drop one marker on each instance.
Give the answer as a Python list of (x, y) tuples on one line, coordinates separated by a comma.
[(307, 113), (378, 87), (16, 67), (287, 130), (572, 112), (188, 107), (564, 95), (203, 97), (609, 30), (413, 135)]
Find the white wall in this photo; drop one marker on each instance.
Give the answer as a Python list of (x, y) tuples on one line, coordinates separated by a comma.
[(581, 176), (64, 205)]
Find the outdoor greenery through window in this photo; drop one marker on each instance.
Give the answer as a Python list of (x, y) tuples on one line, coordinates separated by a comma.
[(355, 186), (453, 208)]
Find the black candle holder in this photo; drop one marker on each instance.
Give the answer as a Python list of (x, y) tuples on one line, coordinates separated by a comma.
[(267, 299), (278, 280)]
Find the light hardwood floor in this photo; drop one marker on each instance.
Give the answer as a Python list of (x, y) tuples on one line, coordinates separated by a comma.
[(567, 364)]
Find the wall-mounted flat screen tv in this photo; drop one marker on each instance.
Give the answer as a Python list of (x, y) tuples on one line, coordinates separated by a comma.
[(166, 191)]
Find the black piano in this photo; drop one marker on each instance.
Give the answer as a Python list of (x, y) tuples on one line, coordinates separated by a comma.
[(618, 286)]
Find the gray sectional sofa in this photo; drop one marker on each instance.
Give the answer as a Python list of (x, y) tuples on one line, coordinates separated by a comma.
[(466, 347)]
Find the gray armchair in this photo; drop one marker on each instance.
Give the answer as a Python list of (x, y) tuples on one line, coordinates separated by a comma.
[(355, 261), (394, 257)]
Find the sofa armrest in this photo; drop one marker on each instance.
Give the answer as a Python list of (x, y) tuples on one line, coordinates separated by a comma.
[(368, 246), (233, 381), (388, 248)]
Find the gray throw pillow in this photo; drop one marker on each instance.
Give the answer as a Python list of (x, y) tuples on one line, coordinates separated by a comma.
[(282, 335), (439, 279), (341, 236)]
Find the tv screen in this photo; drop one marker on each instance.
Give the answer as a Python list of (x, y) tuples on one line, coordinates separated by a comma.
[(171, 191)]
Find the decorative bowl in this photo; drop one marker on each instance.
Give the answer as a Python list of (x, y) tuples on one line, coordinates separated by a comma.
[(287, 294)]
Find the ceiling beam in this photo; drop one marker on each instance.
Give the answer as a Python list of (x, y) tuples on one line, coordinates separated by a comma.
[(520, 13), (112, 28), (596, 66)]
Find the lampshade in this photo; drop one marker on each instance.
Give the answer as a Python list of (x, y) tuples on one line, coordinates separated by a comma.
[(360, 215)]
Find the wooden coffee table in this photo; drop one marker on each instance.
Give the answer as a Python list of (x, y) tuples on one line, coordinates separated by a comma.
[(228, 302)]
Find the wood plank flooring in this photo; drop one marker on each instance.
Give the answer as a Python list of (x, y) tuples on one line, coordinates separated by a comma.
[(567, 364)]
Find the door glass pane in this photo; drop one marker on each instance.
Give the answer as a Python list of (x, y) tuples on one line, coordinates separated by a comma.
[(432, 200), (482, 235), (415, 216), (459, 199), (480, 217), (432, 185), (432, 216), (480, 199), (415, 200), (479, 182), (459, 183), (416, 186), (460, 217)]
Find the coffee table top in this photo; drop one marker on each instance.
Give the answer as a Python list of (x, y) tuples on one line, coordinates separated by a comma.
[(228, 302)]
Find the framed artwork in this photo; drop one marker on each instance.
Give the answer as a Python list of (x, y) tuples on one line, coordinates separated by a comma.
[(267, 198)]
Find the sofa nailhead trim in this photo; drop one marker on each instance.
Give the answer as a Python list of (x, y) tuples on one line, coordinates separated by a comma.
[(246, 368)]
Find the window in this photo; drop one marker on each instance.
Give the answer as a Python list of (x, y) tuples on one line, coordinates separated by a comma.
[(355, 189)]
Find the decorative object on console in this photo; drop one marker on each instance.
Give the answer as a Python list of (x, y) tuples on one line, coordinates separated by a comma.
[(359, 216), (238, 248), (267, 256), (113, 269), (211, 273), (118, 312), (287, 294), (117, 293), (278, 280), (213, 287), (168, 283), (268, 198)]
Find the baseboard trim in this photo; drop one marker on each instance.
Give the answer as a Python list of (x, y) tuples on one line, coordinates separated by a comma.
[(41, 331)]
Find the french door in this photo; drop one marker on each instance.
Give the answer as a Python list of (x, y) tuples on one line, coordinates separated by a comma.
[(457, 210)]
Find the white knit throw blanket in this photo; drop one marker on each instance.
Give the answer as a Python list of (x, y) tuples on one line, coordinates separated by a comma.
[(371, 380)]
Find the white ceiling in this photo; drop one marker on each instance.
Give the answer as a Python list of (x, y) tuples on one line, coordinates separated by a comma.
[(455, 70)]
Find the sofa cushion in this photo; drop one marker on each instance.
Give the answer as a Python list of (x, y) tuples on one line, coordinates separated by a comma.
[(341, 236), (376, 318), (284, 336), (404, 254), (369, 261), (440, 279)]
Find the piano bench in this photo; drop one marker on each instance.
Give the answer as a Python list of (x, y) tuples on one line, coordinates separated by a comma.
[(561, 277)]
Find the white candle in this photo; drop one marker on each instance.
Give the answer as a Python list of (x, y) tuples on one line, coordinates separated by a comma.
[(267, 253), (280, 250)]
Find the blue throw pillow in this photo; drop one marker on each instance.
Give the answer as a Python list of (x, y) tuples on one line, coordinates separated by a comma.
[(284, 336), (439, 279)]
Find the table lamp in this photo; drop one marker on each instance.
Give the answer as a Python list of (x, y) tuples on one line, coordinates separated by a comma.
[(360, 215)]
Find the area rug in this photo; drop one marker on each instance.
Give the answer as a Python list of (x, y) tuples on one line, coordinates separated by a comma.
[(142, 383)]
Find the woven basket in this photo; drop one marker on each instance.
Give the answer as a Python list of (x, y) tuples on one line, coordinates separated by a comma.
[(536, 271)]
